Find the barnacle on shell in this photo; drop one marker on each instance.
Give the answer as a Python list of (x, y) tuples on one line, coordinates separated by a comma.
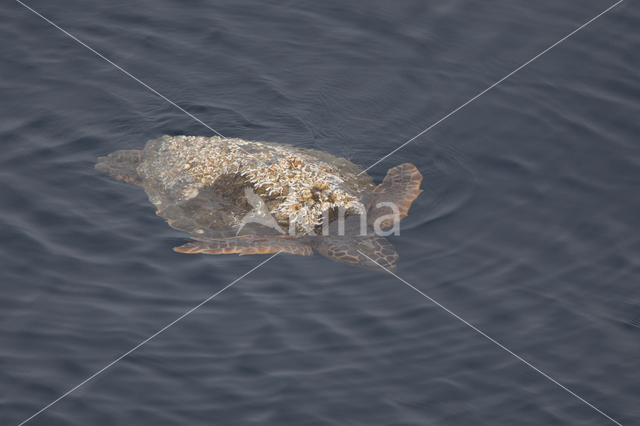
[(299, 186)]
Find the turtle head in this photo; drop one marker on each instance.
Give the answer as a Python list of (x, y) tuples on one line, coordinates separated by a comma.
[(369, 252)]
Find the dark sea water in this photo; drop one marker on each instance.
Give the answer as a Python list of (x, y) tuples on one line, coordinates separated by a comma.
[(528, 227)]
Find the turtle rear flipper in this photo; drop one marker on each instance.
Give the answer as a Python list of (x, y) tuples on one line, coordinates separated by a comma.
[(368, 252), (400, 187), (246, 245), (122, 165)]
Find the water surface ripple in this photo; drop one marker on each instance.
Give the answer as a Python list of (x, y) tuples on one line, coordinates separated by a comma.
[(528, 225)]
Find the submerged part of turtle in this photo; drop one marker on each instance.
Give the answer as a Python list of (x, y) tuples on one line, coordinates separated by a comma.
[(244, 197)]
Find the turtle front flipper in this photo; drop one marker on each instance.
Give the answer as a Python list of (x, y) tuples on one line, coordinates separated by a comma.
[(122, 165), (400, 187), (246, 245)]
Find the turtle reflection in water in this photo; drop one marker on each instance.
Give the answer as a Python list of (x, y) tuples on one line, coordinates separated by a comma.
[(244, 197)]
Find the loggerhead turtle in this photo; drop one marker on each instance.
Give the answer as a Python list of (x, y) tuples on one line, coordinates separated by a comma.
[(237, 196)]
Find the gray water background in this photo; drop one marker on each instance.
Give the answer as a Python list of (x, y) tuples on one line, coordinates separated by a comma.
[(528, 226)]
